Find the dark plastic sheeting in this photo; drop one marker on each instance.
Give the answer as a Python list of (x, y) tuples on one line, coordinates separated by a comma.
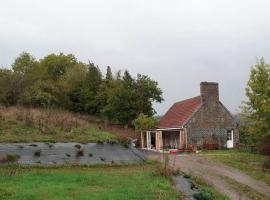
[(67, 153)]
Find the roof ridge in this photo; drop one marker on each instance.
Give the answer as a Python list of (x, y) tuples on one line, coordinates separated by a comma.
[(187, 99)]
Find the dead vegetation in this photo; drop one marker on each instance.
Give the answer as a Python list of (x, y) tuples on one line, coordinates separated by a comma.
[(15, 120)]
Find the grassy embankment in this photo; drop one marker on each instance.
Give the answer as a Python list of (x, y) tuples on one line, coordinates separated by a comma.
[(47, 125), (96, 183), (249, 163)]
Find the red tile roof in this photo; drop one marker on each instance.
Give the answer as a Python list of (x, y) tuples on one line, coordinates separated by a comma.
[(179, 113)]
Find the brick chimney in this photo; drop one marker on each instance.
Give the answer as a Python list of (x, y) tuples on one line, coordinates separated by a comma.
[(209, 92)]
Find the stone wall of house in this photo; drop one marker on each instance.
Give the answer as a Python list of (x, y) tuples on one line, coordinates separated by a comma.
[(210, 123)]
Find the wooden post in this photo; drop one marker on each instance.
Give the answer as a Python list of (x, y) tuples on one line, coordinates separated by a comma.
[(148, 139), (182, 138), (158, 140)]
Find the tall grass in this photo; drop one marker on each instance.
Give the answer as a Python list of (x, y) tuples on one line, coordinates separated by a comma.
[(14, 120)]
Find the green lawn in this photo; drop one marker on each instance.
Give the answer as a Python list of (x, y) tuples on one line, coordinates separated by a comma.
[(84, 183), (249, 163)]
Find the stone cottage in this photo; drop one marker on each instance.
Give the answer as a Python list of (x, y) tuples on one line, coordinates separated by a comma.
[(202, 122)]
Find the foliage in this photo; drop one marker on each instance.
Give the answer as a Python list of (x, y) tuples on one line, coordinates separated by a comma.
[(57, 65), (204, 194), (61, 81), (257, 108), (24, 63), (41, 94), (198, 183), (12, 86), (129, 97), (12, 157), (263, 147), (144, 122)]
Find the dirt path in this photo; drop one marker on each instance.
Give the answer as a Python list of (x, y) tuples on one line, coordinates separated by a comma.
[(212, 172)]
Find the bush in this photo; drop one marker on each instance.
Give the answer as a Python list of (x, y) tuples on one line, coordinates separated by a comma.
[(263, 146), (266, 164), (80, 152), (164, 169), (13, 157), (78, 146), (37, 153), (90, 155), (204, 194)]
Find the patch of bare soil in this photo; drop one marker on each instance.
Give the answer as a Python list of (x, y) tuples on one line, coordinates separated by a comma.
[(212, 172)]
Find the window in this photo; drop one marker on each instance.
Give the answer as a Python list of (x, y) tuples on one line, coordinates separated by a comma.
[(229, 134)]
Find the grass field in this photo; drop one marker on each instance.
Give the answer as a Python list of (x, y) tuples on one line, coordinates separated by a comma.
[(84, 183), (22, 133), (18, 124), (249, 163)]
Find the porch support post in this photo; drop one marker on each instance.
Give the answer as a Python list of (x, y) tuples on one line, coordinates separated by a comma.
[(180, 139), (148, 138), (158, 140)]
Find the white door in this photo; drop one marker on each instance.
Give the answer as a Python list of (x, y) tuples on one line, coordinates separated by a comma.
[(229, 139)]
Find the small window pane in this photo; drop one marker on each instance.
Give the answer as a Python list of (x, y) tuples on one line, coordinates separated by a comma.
[(229, 134)]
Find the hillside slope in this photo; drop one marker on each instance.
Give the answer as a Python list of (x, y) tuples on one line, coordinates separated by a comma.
[(20, 124)]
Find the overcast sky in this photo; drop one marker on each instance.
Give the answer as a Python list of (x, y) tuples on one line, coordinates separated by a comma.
[(179, 43)]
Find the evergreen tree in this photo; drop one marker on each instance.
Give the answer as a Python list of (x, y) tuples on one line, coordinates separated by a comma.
[(109, 76)]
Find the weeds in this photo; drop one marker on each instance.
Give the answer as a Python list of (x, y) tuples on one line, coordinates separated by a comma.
[(37, 124), (80, 152), (37, 153), (204, 194), (163, 169), (13, 157), (50, 145), (102, 159), (78, 146)]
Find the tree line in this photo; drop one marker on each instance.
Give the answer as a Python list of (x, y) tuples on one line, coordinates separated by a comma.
[(61, 81)]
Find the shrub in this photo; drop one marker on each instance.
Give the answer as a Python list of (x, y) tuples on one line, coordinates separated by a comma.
[(13, 157), (80, 152), (100, 142), (102, 159), (187, 176), (37, 153), (204, 194), (78, 146), (266, 164), (263, 146), (164, 169)]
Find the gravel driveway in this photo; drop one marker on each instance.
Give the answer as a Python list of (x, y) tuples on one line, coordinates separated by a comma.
[(213, 172)]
